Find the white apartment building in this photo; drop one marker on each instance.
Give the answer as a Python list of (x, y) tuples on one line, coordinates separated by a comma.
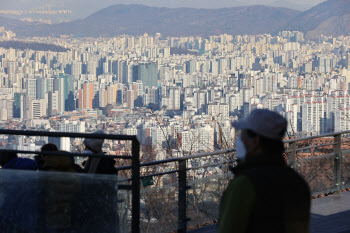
[(72, 126), (342, 119), (196, 140), (36, 109), (219, 110), (314, 117)]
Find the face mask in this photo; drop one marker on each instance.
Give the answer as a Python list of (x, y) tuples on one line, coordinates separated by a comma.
[(240, 149)]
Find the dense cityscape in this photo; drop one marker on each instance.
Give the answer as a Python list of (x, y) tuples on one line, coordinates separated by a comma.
[(183, 103), (174, 116)]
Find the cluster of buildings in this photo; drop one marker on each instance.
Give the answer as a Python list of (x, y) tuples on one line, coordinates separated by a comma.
[(176, 103), (6, 35)]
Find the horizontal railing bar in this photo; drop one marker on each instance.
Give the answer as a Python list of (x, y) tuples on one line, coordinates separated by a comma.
[(67, 134), (201, 155), (316, 146), (317, 136), (188, 169), (63, 153), (207, 154), (155, 174), (160, 174), (210, 165), (316, 157), (178, 159), (122, 168)]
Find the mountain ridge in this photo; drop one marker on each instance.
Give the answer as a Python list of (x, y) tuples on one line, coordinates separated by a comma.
[(329, 18), (326, 18), (138, 19)]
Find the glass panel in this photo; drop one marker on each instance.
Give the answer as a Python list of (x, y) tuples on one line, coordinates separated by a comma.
[(318, 171), (159, 209), (62, 202), (346, 169), (203, 199)]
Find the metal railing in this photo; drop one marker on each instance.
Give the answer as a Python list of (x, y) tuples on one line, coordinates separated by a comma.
[(338, 139), (292, 151), (182, 179)]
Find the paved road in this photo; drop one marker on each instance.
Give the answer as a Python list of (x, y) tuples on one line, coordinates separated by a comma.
[(330, 214)]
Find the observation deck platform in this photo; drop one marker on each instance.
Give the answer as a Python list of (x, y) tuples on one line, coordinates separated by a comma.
[(330, 214), (323, 160)]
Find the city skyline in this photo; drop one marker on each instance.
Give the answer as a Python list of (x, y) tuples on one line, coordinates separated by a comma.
[(175, 102)]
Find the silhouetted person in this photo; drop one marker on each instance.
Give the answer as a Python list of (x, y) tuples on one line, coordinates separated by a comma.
[(102, 210), (97, 165), (61, 191), (49, 147), (58, 163), (265, 195), (10, 160)]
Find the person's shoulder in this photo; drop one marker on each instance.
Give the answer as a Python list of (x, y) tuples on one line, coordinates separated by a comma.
[(25, 163), (240, 187), (29, 161), (297, 177), (241, 182)]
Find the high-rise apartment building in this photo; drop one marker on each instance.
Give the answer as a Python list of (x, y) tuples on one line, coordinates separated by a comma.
[(86, 96), (148, 73), (198, 139), (53, 102), (19, 105), (36, 109), (31, 88), (130, 99)]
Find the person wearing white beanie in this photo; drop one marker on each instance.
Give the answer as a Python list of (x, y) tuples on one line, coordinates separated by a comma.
[(97, 165), (94, 145)]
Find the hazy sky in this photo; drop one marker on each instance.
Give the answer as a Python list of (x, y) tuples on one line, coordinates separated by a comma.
[(83, 8)]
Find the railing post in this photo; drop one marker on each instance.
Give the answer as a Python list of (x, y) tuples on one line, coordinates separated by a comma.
[(292, 154), (337, 162), (182, 205), (135, 225)]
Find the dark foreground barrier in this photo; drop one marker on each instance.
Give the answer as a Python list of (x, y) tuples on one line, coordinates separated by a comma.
[(62, 202)]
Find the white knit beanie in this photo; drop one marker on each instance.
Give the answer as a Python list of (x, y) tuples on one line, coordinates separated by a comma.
[(94, 144)]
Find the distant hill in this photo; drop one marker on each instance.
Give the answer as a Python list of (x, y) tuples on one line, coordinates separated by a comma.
[(16, 25), (32, 45), (291, 5), (328, 18), (138, 19)]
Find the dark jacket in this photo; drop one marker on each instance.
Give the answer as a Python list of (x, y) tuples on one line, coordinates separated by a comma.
[(58, 163), (265, 196), (101, 211), (61, 192), (100, 166), (21, 164)]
